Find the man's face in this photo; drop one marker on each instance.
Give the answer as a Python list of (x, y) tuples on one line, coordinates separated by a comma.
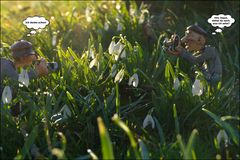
[(28, 60), (192, 40)]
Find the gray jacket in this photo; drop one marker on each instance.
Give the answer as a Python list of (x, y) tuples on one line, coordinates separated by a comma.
[(208, 61)]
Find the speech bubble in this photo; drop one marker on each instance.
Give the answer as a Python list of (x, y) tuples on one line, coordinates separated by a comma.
[(35, 23), (220, 21)]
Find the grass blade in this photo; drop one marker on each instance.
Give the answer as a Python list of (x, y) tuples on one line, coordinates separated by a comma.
[(107, 149)]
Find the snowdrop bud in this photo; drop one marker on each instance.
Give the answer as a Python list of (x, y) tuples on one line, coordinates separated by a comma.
[(123, 54), (148, 120), (66, 111), (197, 88), (6, 95), (23, 78), (176, 83), (222, 136), (54, 40), (91, 53), (119, 76), (111, 47), (94, 62), (133, 80)]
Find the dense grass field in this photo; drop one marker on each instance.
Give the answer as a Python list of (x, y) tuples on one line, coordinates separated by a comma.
[(88, 109)]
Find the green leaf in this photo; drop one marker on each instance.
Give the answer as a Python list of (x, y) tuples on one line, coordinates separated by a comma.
[(143, 149), (107, 149), (176, 119), (233, 133), (160, 132), (122, 125)]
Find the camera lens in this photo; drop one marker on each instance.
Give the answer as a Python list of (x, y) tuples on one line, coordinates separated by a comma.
[(52, 66)]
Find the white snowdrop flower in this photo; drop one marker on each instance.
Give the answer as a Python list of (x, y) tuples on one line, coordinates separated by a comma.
[(123, 54), (118, 6), (66, 111), (133, 80), (148, 120), (119, 52), (94, 62), (106, 26), (222, 136), (88, 14), (91, 53), (54, 40), (114, 48), (114, 70), (176, 83), (6, 95), (119, 76), (119, 27), (197, 88), (111, 47), (23, 78)]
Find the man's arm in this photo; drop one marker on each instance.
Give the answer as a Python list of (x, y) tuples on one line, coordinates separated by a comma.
[(206, 55), (8, 70)]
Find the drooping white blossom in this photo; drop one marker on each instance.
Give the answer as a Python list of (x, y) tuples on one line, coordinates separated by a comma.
[(23, 78), (117, 50), (94, 62), (148, 121), (54, 40), (197, 88), (133, 80), (222, 136), (176, 83), (119, 76), (6, 95)]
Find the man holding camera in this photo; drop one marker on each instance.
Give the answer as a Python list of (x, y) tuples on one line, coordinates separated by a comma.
[(192, 48), (23, 56)]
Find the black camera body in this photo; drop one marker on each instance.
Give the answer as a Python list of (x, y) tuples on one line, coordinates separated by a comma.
[(171, 44), (52, 66)]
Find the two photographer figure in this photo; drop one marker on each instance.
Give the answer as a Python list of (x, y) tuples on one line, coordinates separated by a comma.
[(192, 47), (23, 56)]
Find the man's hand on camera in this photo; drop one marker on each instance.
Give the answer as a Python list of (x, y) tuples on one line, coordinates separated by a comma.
[(41, 68), (178, 50)]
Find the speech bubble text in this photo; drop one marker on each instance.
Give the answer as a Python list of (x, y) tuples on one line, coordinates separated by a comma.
[(35, 23), (220, 21)]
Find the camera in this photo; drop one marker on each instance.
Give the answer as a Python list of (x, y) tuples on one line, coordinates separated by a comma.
[(172, 43), (52, 66)]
